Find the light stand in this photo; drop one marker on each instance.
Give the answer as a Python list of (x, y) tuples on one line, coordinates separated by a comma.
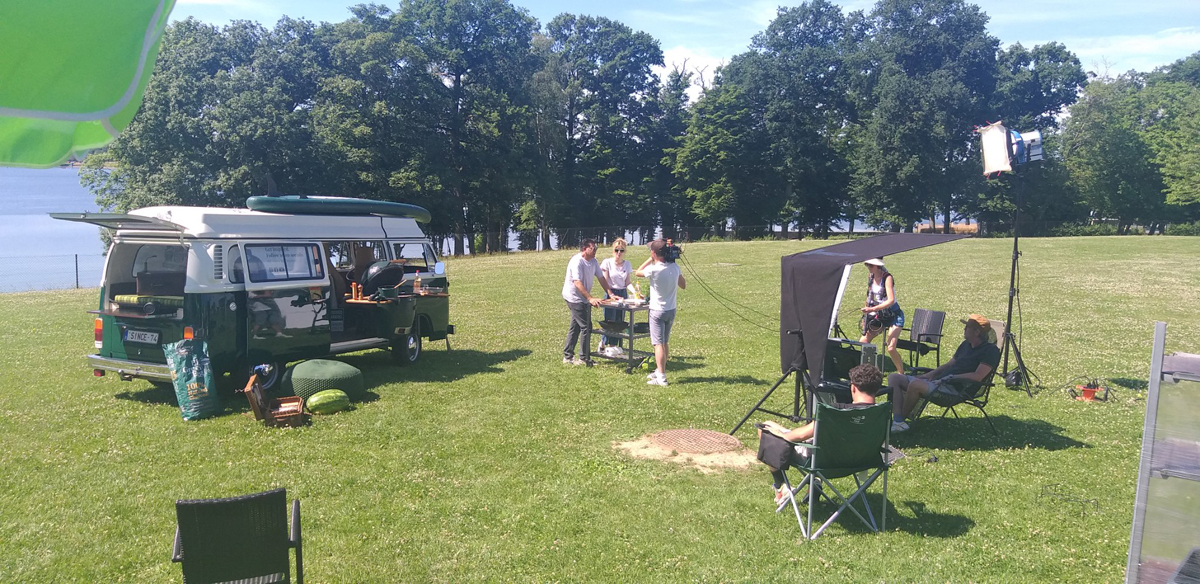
[(1010, 340)]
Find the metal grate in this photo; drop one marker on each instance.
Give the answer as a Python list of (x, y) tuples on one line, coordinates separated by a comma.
[(696, 441), (218, 263)]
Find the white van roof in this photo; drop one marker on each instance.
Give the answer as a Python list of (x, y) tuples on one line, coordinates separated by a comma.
[(222, 223)]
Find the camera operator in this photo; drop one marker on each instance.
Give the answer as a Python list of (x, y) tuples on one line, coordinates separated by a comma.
[(665, 281)]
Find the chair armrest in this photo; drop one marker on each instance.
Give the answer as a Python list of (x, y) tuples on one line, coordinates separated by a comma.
[(176, 549), (965, 386), (296, 543)]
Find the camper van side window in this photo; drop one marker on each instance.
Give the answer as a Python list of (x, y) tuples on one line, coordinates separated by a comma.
[(236, 273), (281, 262), (413, 254)]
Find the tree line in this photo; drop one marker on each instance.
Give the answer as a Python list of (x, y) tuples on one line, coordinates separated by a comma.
[(474, 110)]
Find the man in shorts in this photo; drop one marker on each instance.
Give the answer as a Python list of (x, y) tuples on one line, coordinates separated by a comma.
[(974, 360), (665, 281)]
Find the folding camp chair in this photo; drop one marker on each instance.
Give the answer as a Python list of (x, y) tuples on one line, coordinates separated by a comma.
[(972, 393), (844, 444), (924, 336), (241, 538)]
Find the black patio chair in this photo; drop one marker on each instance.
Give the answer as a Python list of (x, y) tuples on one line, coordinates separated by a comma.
[(924, 336), (243, 539)]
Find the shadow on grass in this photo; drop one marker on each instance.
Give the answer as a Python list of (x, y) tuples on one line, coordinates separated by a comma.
[(926, 523), (434, 366), (156, 394), (728, 380), (1127, 383), (972, 433)]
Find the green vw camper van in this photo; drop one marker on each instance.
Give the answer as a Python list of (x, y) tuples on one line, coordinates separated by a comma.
[(286, 279)]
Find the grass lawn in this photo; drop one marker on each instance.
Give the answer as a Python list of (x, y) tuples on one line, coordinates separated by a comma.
[(495, 462)]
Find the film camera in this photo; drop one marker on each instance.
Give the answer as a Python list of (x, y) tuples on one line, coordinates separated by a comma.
[(671, 252)]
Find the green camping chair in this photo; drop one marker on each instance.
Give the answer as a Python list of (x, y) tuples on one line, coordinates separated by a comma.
[(845, 443)]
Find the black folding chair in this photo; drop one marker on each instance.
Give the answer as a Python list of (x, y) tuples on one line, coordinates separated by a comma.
[(924, 336), (243, 539)]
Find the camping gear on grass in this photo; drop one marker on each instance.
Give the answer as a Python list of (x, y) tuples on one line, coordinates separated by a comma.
[(307, 378), (280, 412), (193, 378)]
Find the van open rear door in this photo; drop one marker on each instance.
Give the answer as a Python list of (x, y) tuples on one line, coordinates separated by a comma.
[(120, 221)]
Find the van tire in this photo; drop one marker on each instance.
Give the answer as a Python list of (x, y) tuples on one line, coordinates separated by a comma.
[(407, 349), (270, 381)]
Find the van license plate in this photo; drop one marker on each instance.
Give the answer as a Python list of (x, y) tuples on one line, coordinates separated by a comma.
[(141, 337)]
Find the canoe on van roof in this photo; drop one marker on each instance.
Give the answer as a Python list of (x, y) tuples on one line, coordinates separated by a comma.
[(306, 205), (224, 223)]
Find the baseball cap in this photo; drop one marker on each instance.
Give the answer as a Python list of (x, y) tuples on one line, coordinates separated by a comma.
[(978, 319)]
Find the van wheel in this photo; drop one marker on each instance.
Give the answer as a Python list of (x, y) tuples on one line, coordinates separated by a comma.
[(269, 380), (407, 349)]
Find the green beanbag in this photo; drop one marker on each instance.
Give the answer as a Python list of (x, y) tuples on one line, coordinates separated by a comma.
[(309, 377)]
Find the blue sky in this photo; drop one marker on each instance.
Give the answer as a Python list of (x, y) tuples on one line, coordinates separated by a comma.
[(1108, 36)]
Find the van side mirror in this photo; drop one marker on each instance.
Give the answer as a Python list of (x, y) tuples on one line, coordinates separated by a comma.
[(439, 268)]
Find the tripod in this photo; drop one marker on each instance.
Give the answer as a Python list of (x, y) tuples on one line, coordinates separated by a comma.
[(1010, 340), (795, 416)]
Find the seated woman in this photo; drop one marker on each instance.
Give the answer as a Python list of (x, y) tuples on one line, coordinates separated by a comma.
[(865, 381)]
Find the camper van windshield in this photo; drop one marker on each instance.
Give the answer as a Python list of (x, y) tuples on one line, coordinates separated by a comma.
[(274, 263)]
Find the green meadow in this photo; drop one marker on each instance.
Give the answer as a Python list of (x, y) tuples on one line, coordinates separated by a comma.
[(492, 461)]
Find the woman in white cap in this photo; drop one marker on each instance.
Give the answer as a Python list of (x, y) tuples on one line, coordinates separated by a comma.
[(882, 311)]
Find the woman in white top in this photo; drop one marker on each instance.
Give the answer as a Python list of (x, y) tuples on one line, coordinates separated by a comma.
[(882, 310), (616, 271)]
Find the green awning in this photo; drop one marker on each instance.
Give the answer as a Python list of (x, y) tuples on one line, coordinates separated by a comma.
[(72, 73)]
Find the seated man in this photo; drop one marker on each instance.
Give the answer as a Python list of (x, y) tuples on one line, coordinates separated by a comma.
[(865, 381), (974, 359)]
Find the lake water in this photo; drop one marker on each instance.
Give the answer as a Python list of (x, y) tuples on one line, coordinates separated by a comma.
[(37, 252)]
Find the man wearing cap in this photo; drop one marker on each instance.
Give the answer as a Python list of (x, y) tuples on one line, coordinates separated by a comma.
[(974, 359), (665, 282), (576, 291)]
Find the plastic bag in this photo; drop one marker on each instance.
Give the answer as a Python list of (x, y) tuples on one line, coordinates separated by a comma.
[(193, 379)]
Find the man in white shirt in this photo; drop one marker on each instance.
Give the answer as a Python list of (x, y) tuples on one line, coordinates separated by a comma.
[(577, 292), (665, 281)]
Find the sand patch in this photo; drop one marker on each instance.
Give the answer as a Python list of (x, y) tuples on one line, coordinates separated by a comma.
[(704, 450)]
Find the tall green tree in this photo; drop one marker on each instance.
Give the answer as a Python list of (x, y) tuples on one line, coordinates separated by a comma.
[(928, 78), (225, 114), (604, 70), (1110, 161), (478, 55)]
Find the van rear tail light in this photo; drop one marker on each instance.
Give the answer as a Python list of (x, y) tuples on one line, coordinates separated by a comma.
[(99, 329), (187, 332)]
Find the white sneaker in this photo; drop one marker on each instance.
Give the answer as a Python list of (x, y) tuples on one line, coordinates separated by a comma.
[(617, 352), (898, 427), (657, 381), (566, 360), (652, 374)]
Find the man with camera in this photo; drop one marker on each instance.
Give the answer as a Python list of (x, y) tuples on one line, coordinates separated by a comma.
[(974, 359), (665, 281)]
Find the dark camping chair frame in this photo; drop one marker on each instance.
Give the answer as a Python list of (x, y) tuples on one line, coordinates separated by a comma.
[(239, 538), (844, 444), (971, 393), (924, 336)]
